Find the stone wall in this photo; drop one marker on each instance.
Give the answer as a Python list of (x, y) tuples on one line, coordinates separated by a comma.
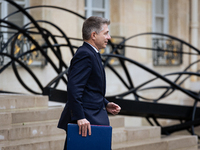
[(128, 17)]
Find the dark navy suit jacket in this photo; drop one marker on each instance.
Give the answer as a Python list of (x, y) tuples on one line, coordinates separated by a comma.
[(86, 89)]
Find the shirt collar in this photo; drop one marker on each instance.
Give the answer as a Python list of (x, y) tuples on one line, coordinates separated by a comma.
[(93, 47)]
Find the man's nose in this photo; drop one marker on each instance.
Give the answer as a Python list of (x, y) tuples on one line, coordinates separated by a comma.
[(109, 37)]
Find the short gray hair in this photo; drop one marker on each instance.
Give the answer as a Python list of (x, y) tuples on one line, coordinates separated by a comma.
[(92, 24)]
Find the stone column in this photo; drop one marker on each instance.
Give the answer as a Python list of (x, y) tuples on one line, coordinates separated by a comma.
[(194, 34)]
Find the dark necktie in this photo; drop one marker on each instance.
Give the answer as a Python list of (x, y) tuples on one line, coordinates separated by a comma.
[(99, 57), (99, 54)]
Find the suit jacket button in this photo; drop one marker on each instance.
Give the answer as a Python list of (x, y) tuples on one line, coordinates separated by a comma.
[(104, 108)]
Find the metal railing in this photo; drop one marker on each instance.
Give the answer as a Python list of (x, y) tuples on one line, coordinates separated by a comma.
[(142, 106)]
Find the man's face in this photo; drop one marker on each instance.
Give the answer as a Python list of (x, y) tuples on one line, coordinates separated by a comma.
[(102, 38)]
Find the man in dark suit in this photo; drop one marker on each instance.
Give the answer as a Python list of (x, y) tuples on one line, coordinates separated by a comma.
[(86, 81)]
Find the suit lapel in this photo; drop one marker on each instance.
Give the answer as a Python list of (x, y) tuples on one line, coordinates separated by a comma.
[(102, 70), (98, 57)]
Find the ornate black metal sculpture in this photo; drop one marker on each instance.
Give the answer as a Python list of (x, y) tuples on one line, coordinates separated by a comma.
[(21, 47)]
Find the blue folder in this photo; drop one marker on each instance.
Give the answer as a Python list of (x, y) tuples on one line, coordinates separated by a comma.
[(99, 140)]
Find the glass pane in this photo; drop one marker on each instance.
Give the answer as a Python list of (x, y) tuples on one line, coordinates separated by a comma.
[(159, 6), (0, 13), (159, 25), (0, 10), (98, 3), (17, 18), (100, 14)]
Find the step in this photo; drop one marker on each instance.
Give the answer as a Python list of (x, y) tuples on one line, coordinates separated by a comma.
[(116, 121), (51, 113), (27, 128), (170, 143), (5, 118), (55, 142), (35, 115), (29, 115), (30, 130), (17, 101), (135, 133), (181, 142)]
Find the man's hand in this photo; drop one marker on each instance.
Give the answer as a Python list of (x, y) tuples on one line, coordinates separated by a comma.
[(84, 125), (113, 108)]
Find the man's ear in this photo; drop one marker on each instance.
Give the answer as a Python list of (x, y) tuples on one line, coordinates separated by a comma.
[(93, 35)]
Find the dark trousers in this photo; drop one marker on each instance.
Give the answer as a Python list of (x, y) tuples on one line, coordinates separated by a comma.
[(65, 146)]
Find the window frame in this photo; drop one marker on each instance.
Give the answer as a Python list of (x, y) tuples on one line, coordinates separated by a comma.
[(4, 12), (89, 9), (165, 16), (161, 58)]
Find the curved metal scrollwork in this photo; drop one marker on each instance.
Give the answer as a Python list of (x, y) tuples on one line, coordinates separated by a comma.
[(22, 48)]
